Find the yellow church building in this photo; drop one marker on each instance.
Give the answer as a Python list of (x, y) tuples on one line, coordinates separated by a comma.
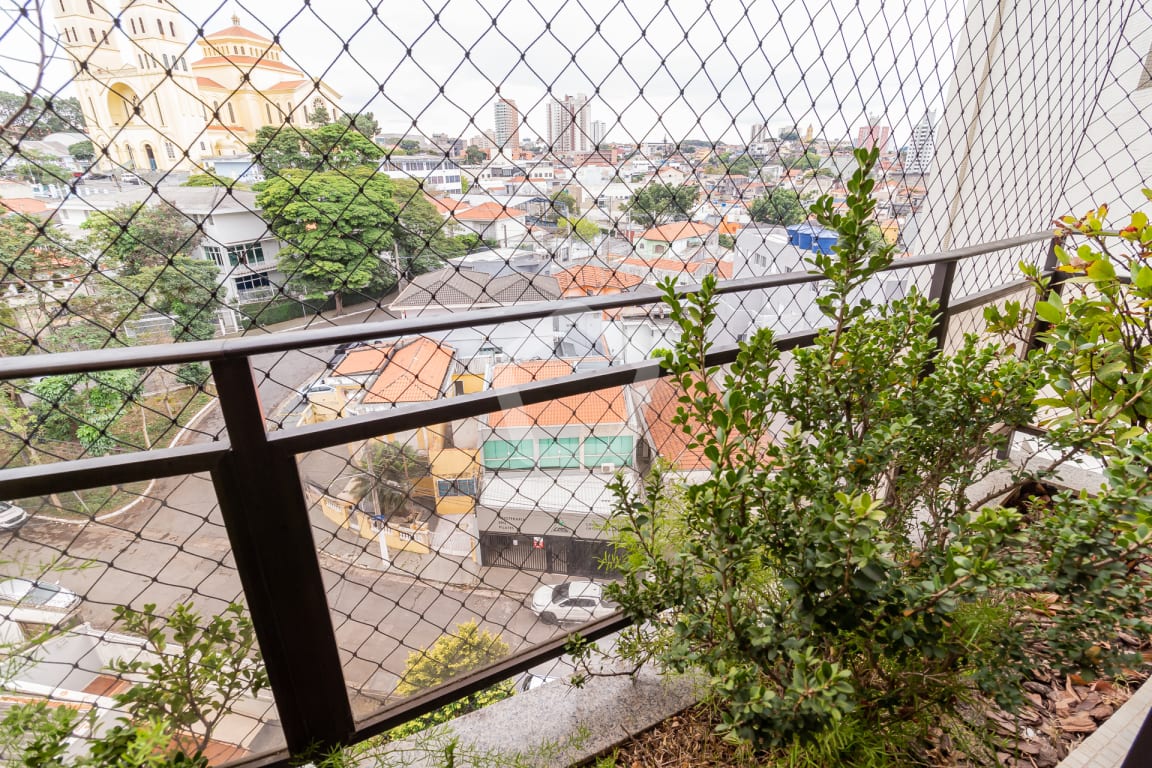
[(157, 96)]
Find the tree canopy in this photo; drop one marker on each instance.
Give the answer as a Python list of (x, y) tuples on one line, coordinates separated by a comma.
[(474, 156), (365, 123), (40, 117), (780, 206), (133, 236), (334, 146), (661, 203), (583, 229), (334, 225)]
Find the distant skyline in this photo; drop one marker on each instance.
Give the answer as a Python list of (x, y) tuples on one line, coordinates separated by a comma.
[(708, 71)]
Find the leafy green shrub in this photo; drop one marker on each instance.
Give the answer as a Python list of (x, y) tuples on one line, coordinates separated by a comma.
[(833, 564)]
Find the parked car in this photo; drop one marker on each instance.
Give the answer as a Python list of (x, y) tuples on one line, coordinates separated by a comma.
[(37, 594), (316, 389), (573, 602), (130, 178), (11, 516), (530, 681)]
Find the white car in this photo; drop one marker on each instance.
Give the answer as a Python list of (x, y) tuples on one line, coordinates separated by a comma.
[(11, 516), (37, 594), (573, 602)]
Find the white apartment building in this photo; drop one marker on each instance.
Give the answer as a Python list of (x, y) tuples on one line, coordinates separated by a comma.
[(507, 133), (433, 172), (923, 148), (569, 124)]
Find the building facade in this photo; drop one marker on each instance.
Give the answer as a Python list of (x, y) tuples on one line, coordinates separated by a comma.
[(150, 104), (923, 148), (506, 137), (569, 124), (872, 135)]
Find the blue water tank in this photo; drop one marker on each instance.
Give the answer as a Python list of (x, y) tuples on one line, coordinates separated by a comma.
[(825, 241), (793, 234), (804, 238)]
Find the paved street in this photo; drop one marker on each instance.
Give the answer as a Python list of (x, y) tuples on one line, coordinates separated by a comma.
[(173, 548)]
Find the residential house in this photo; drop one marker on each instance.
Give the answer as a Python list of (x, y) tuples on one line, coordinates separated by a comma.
[(492, 221), (677, 240), (547, 467)]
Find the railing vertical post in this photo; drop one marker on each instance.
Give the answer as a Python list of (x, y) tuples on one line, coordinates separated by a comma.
[(940, 291), (266, 517)]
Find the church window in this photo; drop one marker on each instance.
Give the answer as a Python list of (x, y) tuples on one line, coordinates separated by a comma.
[(133, 23), (90, 8), (75, 37), (160, 26), (92, 34), (141, 20), (231, 114), (159, 113), (165, 60), (216, 110), (62, 7), (171, 150), (203, 146), (268, 110), (172, 28), (140, 61), (183, 64)]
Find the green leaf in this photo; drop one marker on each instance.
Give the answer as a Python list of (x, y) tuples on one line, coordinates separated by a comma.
[(1049, 312)]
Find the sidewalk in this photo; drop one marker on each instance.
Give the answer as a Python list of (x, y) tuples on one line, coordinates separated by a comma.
[(1110, 744)]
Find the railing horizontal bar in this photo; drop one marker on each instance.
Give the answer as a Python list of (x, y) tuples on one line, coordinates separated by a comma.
[(314, 437), (987, 297), (218, 349), (431, 700), (64, 476)]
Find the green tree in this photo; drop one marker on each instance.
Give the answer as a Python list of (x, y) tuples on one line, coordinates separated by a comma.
[(83, 406), (208, 180), (31, 117), (364, 123), (334, 225), (82, 152), (464, 649), (330, 147), (780, 206), (836, 565), (562, 204), (809, 161), (390, 473), (133, 236), (320, 115), (409, 145), (29, 248), (726, 241), (202, 668), (661, 203), (474, 156), (420, 242), (584, 230), (37, 167)]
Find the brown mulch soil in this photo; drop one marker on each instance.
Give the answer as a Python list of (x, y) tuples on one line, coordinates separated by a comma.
[(1061, 712)]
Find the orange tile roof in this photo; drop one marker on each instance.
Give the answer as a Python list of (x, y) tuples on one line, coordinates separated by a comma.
[(489, 212), (237, 31), (363, 360), (207, 82), (677, 230), (595, 278), (668, 439), (25, 205), (605, 406), (233, 60), (446, 204), (414, 373), (286, 85)]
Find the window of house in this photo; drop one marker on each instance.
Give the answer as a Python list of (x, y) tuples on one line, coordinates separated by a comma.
[(216, 110), (172, 28), (253, 281), (560, 452), (183, 64), (133, 23), (165, 56), (461, 486), (607, 450), (215, 253), (508, 454), (659, 249), (92, 34), (170, 149), (246, 253), (203, 146), (90, 8), (268, 111)]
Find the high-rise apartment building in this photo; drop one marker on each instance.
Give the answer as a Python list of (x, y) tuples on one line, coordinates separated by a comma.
[(759, 133), (923, 147), (599, 128), (874, 135), (569, 128), (507, 133)]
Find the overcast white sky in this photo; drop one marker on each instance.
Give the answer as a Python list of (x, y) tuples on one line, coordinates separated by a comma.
[(682, 69)]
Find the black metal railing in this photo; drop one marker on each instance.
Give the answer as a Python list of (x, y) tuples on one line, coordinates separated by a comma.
[(258, 483)]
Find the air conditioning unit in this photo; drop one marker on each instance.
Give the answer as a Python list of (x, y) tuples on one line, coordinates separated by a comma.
[(608, 468)]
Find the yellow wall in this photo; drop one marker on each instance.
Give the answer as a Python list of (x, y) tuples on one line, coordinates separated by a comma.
[(473, 382)]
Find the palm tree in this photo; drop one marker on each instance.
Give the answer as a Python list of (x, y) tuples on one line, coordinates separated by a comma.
[(390, 472)]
